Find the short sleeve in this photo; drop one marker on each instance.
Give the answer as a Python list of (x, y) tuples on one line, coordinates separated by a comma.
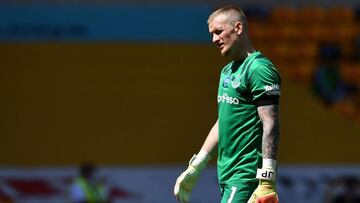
[(265, 83)]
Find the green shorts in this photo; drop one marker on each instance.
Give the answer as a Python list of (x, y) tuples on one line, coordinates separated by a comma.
[(237, 192)]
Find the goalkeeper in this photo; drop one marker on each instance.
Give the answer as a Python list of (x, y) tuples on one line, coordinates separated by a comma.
[(246, 132)]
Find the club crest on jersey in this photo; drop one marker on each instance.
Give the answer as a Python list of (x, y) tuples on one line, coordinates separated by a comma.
[(226, 82)]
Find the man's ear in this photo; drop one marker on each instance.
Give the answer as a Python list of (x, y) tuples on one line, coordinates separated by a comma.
[(238, 28)]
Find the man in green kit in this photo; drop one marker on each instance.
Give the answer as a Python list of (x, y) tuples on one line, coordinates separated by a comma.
[(246, 133)]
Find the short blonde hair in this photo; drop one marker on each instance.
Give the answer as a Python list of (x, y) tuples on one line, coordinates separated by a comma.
[(235, 14)]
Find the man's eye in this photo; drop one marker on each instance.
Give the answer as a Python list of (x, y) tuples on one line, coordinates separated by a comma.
[(218, 32)]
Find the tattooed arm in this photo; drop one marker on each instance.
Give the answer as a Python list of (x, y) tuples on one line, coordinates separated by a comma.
[(266, 190), (269, 115)]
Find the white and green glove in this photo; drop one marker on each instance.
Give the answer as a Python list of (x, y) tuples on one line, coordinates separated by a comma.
[(188, 179), (266, 191)]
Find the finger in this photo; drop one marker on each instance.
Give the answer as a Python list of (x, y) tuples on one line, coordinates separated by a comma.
[(184, 196), (253, 199), (267, 199), (181, 195), (176, 189)]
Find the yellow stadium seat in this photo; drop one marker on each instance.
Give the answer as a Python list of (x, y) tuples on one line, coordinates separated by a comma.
[(350, 71), (288, 32), (302, 71), (345, 32), (310, 15), (307, 51), (313, 33), (283, 15), (340, 14)]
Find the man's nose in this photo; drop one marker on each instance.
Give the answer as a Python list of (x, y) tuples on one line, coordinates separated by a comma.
[(215, 38)]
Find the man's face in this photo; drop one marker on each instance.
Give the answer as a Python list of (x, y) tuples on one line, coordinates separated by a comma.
[(223, 34)]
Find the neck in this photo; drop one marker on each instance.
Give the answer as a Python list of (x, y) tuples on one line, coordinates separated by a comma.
[(244, 49)]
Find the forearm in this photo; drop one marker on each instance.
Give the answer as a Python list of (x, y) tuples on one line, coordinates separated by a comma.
[(187, 180), (271, 130), (211, 141)]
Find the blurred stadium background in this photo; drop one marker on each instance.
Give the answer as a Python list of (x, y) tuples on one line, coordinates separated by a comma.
[(131, 87)]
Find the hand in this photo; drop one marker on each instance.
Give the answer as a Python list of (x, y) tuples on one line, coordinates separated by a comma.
[(264, 193), (266, 190), (188, 179), (185, 183)]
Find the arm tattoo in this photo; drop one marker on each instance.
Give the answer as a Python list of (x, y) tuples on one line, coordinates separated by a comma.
[(269, 116)]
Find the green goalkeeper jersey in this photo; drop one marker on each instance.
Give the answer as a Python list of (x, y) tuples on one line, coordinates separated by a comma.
[(244, 85)]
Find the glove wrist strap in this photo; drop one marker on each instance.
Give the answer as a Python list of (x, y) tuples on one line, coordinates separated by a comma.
[(266, 174), (269, 163), (200, 160)]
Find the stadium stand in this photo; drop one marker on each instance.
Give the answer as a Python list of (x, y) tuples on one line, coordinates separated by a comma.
[(305, 28)]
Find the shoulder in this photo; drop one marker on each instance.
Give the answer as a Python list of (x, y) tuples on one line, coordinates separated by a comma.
[(262, 62), (263, 66)]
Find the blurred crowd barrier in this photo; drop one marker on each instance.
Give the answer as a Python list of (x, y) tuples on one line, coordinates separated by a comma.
[(296, 184)]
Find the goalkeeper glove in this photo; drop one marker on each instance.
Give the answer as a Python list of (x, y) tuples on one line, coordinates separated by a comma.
[(187, 180), (266, 191)]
